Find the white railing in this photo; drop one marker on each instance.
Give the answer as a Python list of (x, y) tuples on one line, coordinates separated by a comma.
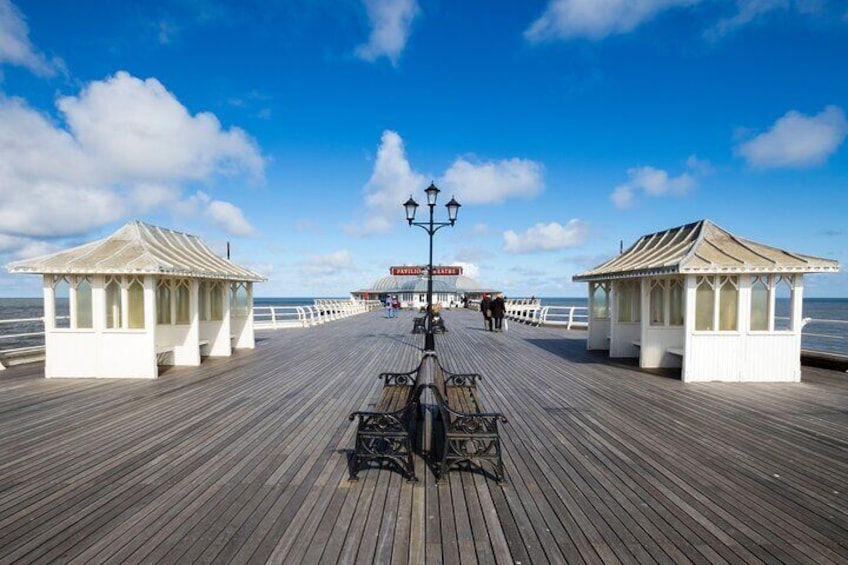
[(23, 352), (531, 311), (324, 310), (523, 310), (567, 316)]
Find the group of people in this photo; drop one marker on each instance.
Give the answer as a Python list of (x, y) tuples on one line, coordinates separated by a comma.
[(493, 310), (392, 306)]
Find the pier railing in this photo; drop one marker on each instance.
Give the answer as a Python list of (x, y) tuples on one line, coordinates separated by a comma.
[(22, 339), (531, 311), (324, 310)]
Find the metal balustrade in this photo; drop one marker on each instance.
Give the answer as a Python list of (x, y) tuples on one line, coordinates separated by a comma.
[(25, 343)]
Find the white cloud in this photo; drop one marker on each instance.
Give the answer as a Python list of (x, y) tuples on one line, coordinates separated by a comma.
[(623, 196), (15, 47), (746, 12), (229, 218), (128, 147), (329, 264), (796, 140), (547, 237), (391, 21), (596, 19), (470, 270), (390, 185), (481, 229), (699, 166), (652, 182), (494, 181), (394, 180), (141, 130)]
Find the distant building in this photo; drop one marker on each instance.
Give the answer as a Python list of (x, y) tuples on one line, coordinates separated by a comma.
[(141, 297), (703, 299), (409, 284)]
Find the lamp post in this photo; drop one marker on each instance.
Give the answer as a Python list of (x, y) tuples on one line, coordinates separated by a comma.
[(431, 228)]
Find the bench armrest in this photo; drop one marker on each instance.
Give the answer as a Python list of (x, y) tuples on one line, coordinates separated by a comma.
[(409, 378), (493, 417), (383, 422), (461, 379)]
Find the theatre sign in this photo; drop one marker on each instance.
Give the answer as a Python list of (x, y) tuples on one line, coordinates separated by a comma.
[(418, 271)]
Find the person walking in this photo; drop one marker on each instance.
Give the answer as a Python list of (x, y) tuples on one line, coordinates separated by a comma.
[(389, 306), (486, 309), (498, 308), (396, 305)]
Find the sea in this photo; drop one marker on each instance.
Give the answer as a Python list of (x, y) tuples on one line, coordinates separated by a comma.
[(828, 330)]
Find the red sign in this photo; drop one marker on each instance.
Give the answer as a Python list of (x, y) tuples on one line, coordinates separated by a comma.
[(417, 271)]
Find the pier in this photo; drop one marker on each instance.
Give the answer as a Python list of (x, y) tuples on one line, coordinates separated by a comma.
[(244, 459)]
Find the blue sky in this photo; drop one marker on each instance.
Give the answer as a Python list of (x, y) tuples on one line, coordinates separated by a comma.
[(296, 129)]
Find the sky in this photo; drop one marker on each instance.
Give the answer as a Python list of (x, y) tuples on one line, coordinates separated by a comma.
[(296, 129)]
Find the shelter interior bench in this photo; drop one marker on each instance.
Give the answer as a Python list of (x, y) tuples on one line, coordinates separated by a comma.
[(468, 433), (670, 350), (387, 433)]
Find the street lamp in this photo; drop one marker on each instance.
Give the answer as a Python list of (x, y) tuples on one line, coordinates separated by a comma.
[(431, 228)]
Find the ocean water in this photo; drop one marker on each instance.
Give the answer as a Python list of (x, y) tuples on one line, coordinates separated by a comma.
[(818, 335)]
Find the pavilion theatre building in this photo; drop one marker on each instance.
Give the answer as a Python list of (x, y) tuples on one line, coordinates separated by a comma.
[(409, 284)]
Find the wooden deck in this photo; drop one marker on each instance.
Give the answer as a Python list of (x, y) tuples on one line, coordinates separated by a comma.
[(244, 460)]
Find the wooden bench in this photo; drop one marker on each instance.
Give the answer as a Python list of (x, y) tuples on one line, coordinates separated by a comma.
[(388, 432), (468, 433)]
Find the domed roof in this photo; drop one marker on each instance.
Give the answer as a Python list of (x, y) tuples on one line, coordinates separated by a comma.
[(416, 283)]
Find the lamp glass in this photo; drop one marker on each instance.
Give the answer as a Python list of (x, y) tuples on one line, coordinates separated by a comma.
[(453, 209), (432, 194), (411, 206)]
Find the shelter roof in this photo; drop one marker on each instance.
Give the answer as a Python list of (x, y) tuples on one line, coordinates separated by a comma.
[(702, 247), (139, 248)]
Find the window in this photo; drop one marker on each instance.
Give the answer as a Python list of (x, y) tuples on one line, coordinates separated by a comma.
[(676, 302), (203, 301), (84, 318), (182, 302), (600, 301), (759, 304), (135, 304), (113, 303), (61, 302), (216, 297), (784, 294), (628, 301), (704, 304), (728, 303), (657, 302), (163, 302), (238, 306)]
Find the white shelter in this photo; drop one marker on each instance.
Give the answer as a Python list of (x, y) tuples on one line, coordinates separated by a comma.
[(700, 298), (141, 297)]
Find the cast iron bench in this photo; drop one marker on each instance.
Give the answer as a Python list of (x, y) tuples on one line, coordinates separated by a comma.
[(388, 432), (419, 325), (468, 432)]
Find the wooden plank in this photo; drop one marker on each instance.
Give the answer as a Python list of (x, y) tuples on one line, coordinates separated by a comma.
[(244, 459)]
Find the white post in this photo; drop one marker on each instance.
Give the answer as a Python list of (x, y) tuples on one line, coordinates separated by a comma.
[(149, 283)]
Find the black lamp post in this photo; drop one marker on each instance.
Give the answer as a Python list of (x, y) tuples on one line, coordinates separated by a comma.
[(431, 228)]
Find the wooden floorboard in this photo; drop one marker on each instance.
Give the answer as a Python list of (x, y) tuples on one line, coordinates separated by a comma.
[(245, 459)]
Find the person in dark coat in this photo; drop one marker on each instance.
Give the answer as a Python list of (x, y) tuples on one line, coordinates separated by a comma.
[(498, 310), (486, 309)]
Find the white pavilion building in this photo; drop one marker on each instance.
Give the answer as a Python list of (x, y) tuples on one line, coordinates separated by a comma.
[(700, 298), (142, 297)]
